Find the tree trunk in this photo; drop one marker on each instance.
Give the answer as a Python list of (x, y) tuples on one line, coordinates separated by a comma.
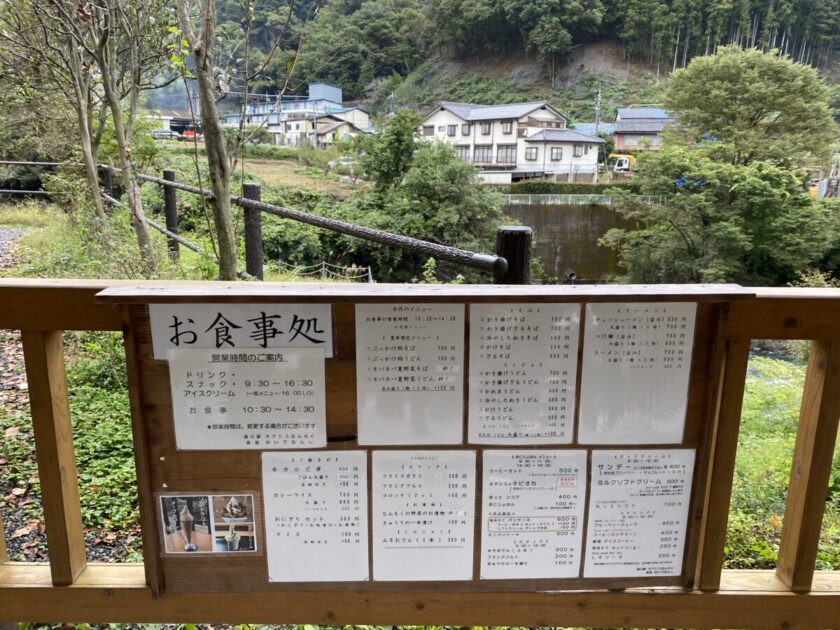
[(89, 160), (214, 139), (135, 205)]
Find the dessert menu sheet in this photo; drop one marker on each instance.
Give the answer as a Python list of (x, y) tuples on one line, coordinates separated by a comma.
[(238, 326), (409, 373), (423, 515), (638, 507), (523, 367), (248, 399), (316, 516), (636, 364), (532, 513)]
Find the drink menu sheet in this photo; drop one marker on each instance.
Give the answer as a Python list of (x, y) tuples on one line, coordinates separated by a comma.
[(532, 513)]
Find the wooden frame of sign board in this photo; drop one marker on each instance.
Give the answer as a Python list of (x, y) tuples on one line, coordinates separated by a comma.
[(163, 469)]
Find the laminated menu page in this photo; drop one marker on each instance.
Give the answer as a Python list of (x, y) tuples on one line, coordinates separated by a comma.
[(423, 515), (638, 508), (251, 399), (523, 368), (636, 366), (532, 513), (316, 516), (409, 373)]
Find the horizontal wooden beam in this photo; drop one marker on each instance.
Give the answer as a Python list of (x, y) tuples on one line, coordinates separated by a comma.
[(117, 593), (786, 314), (56, 305)]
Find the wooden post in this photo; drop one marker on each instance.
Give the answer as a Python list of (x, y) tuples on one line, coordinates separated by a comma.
[(253, 232), (43, 353), (722, 465), (811, 468), (4, 554), (170, 209), (514, 244)]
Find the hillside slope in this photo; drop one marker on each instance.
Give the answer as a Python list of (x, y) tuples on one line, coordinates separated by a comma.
[(491, 79)]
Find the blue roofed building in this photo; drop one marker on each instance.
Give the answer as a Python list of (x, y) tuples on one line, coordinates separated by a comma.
[(297, 120)]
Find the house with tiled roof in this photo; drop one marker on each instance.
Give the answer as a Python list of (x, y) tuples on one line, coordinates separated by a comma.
[(640, 128), (515, 141)]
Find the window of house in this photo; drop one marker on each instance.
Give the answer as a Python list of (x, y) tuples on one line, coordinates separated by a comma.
[(451, 130), (507, 126), (465, 129), (486, 128), (441, 128), (531, 153), (556, 154), (464, 152), (483, 154), (586, 148), (506, 154), (578, 150), (428, 130)]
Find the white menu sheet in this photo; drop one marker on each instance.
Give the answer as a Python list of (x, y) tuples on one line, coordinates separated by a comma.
[(409, 373), (240, 326), (423, 515), (638, 507), (523, 372), (634, 380), (258, 400), (316, 516), (532, 513)]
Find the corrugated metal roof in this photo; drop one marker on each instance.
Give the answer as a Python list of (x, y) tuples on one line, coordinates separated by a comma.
[(562, 135), (589, 128), (640, 126), (472, 112), (631, 113)]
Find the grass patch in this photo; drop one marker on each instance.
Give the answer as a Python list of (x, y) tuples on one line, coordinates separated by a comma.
[(765, 451), (27, 215)]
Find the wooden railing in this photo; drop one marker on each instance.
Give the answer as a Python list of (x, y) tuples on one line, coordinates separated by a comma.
[(70, 589)]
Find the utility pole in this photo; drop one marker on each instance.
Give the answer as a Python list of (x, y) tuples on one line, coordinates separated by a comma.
[(598, 111)]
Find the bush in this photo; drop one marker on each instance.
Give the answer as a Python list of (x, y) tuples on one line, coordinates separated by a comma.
[(269, 152)]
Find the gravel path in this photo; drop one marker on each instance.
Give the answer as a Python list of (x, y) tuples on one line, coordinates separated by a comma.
[(7, 238)]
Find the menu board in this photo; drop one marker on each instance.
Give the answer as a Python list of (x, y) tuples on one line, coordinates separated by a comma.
[(636, 364), (409, 373), (423, 515), (240, 326), (523, 367), (532, 507), (638, 506), (248, 400), (316, 516)]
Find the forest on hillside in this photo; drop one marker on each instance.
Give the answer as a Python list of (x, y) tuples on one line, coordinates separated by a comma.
[(354, 42)]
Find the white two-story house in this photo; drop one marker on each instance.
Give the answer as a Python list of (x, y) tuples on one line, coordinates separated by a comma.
[(515, 141)]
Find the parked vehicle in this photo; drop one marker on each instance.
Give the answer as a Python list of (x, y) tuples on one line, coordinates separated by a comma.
[(622, 162), (165, 134)]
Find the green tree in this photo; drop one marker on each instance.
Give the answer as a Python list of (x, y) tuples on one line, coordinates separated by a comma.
[(720, 221), (388, 155), (766, 107), (732, 176), (551, 40), (437, 198)]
